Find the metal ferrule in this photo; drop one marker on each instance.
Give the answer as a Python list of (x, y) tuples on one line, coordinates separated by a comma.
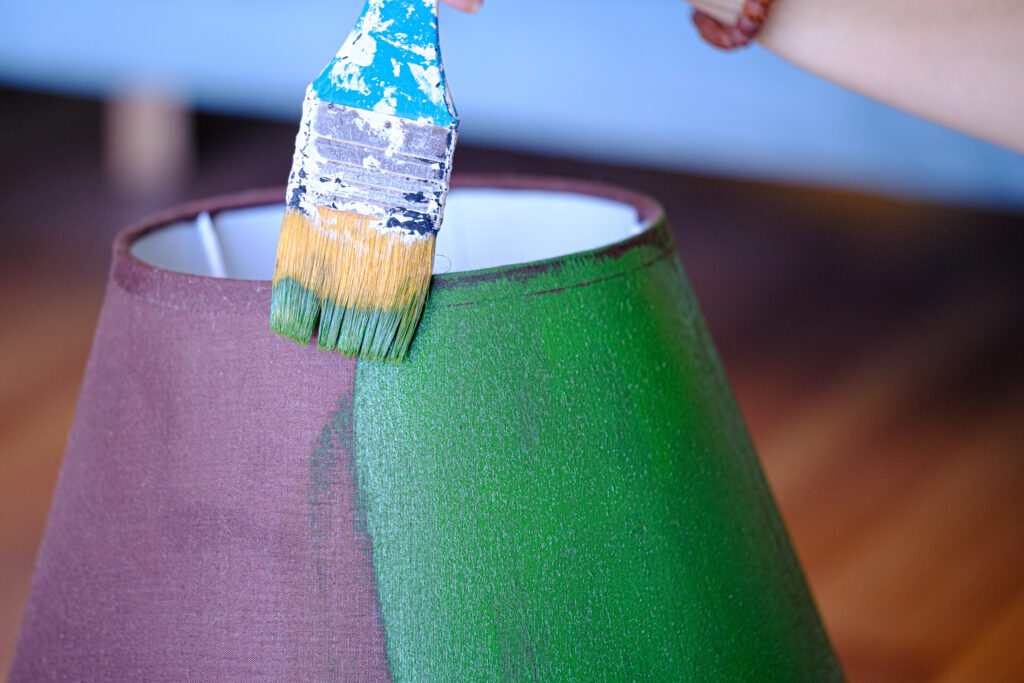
[(371, 163)]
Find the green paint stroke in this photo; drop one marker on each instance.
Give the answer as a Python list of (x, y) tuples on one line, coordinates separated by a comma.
[(559, 486), (327, 464)]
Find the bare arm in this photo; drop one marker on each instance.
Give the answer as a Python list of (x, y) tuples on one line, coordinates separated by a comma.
[(957, 62)]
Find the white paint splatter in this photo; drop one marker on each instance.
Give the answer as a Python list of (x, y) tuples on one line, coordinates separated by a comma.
[(388, 103), (429, 81), (383, 123), (401, 41), (356, 53), (359, 48), (348, 77), (428, 52), (371, 20), (396, 65)]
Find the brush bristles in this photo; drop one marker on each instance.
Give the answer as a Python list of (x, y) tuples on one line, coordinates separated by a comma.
[(366, 286)]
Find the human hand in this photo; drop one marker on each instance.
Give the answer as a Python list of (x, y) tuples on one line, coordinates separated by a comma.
[(465, 5), (730, 24)]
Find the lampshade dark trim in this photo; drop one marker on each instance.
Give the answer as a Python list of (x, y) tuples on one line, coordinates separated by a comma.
[(182, 290)]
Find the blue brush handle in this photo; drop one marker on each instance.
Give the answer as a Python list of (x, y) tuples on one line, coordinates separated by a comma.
[(391, 63)]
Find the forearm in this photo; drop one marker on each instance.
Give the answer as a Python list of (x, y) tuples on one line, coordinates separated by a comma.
[(958, 62)]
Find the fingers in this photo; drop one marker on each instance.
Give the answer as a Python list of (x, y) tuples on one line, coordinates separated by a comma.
[(470, 6)]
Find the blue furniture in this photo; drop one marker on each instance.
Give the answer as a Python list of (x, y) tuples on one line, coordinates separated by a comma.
[(616, 80)]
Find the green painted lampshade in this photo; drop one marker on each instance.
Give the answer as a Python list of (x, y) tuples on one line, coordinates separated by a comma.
[(555, 485)]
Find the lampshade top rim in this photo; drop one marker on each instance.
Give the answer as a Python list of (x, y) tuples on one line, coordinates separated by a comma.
[(184, 290)]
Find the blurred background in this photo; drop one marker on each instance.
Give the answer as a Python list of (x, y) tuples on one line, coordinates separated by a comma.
[(860, 269)]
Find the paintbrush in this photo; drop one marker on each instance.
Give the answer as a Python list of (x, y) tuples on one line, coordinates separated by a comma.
[(367, 187)]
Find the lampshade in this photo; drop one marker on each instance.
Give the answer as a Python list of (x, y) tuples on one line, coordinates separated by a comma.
[(556, 484)]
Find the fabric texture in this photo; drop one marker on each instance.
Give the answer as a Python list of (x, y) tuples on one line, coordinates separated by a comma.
[(203, 527), (555, 485), (558, 473)]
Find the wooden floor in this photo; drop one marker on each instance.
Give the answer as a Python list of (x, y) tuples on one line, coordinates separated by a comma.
[(875, 347)]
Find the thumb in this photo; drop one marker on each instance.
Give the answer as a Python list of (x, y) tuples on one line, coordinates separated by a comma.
[(470, 6)]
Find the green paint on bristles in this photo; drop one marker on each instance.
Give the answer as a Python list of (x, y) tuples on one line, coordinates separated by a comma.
[(374, 334), (331, 317), (293, 310)]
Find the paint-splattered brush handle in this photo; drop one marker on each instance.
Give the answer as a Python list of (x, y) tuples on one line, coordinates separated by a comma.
[(391, 63), (378, 126)]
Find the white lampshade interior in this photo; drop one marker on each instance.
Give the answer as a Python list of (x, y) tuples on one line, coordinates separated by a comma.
[(482, 228)]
